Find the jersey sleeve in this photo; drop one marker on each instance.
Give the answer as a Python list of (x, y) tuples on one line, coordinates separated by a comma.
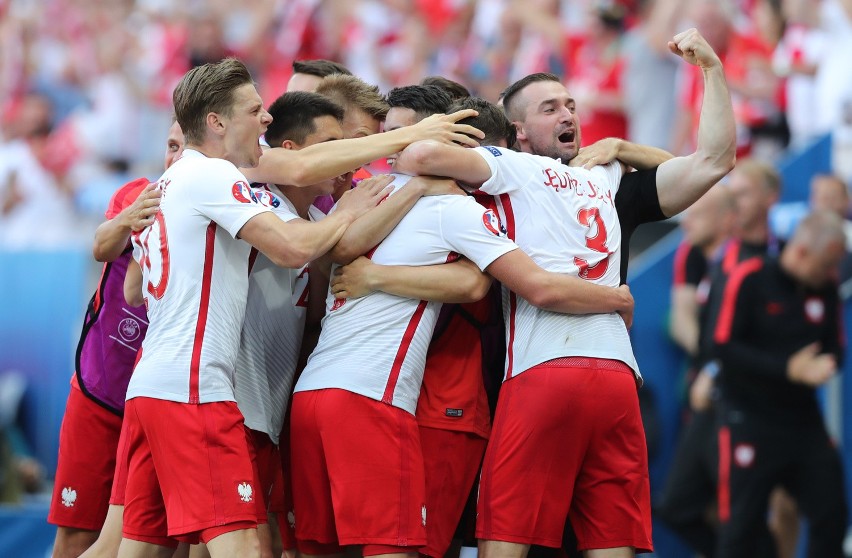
[(125, 196), (637, 200), (224, 196), (474, 232), (509, 170)]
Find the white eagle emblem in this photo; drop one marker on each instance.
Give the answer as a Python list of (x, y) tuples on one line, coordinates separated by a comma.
[(69, 496), (291, 519), (423, 514), (245, 491)]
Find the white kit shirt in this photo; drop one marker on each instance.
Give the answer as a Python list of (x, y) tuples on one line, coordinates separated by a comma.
[(272, 331), (376, 346), (565, 219), (194, 280)]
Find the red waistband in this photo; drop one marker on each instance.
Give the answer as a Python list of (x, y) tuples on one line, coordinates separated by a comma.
[(589, 363)]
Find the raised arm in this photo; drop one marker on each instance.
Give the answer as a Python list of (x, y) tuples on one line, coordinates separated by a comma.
[(682, 180), (437, 159), (297, 242), (112, 236), (326, 160), (455, 282)]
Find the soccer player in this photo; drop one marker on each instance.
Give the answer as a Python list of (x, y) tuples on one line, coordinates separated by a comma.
[(181, 415), (567, 218), (111, 337)]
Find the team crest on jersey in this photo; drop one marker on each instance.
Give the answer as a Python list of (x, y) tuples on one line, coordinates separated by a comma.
[(69, 496), (744, 455), (245, 491), (493, 150), (338, 304), (267, 198), (814, 310), (242, 192), (491, 222), (128, 328)]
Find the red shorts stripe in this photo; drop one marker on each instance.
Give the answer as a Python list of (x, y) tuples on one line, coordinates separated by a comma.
[(88, 440)]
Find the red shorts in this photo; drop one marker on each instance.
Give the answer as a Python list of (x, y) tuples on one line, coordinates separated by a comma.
[(372, 451), (87, 444), (267, 462), (567, 441), (119, 480), (451, 460), (190, 476)]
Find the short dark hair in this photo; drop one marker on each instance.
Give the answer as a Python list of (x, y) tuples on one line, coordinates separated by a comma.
[(293, 116), (319, 68), (491, 120), (205, 89), (455, 89), (424, 100), (509, 94)]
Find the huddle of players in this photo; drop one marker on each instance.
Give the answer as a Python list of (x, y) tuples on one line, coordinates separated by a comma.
[(380, 456)]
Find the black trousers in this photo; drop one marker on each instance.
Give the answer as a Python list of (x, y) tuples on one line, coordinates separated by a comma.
[(756, 455)]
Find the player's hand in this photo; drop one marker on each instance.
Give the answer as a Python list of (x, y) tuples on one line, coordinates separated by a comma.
[(626, 311), (599, 153), (443, 128), (369, 193), (141, 212), (355, 279), (432, 186), (693, 48), (807, 366), (701, 392)]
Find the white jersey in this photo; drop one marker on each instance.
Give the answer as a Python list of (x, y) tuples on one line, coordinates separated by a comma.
[(195, 280), (565, 219), (272, 331), (376, 345)]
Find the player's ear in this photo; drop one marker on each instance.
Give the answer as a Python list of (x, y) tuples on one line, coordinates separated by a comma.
[(215, 123), (519, 128), (289, 144)]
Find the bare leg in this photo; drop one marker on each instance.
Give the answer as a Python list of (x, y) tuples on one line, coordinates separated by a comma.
[(502, 549), (137, 549), (264, 537), (242, 543), (110, 538), (620, 552), (198, 551), (71, 542)]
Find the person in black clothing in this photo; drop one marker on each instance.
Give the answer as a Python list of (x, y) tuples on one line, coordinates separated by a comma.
[(778, 337), (692, 480)]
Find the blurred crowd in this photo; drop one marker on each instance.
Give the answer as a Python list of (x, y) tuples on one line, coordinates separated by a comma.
[(85, 85)]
